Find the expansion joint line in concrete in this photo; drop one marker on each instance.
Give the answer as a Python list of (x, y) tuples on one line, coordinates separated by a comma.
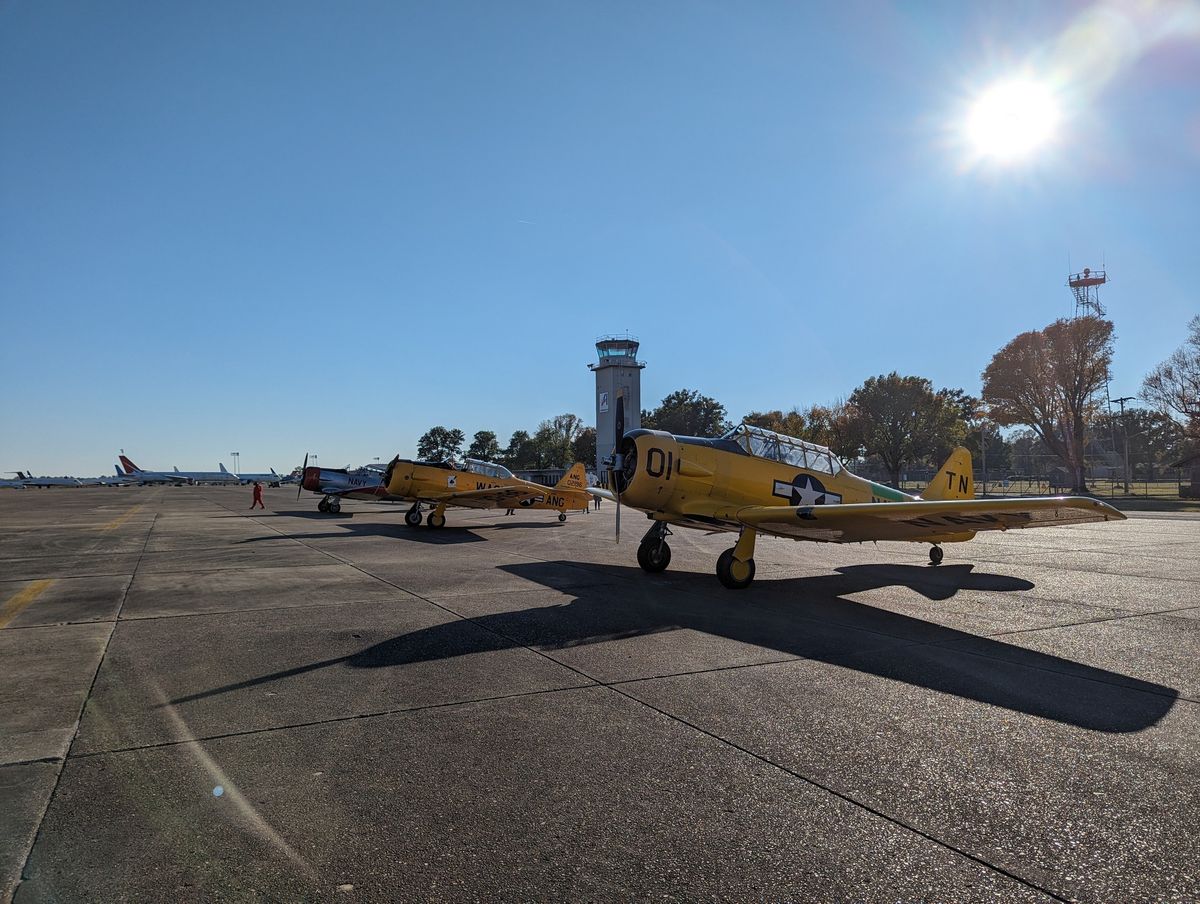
[(83, 709)]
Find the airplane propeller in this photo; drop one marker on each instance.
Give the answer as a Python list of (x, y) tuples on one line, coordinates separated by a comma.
[(300, 487), (616, 464)]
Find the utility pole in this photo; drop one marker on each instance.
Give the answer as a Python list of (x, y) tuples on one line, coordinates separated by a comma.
[(1125, 430), (983, 425)]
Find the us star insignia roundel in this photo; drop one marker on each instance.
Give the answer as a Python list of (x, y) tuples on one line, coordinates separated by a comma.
[(805, 490)]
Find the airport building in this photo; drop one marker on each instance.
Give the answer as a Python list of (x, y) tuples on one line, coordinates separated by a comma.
[(618, 392)]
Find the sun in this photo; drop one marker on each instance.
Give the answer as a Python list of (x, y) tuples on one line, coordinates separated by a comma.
[(1011, 120)]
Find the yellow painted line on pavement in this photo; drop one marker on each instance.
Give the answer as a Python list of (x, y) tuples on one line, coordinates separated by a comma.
[(22, 599), (118, 521)]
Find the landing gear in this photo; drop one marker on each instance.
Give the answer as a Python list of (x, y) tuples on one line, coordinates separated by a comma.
[(654, 555), (413, 516), (935, 555), (735, 567), (437, 518), (330, 505), (562, 516), (323, 506)]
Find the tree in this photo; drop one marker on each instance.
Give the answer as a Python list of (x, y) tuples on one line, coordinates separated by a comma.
[(1050, 380), (790, 424), (1174, 386), (1154, 438), (520, 454), (901, 419), (484, 446), (440, 444), (833, 426), (584, 447), (686, 412)]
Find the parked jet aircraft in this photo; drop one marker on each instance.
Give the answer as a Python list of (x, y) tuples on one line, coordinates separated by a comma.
[(5, 483), (752, 480), (272, 479), (478, 484), (27, 479), (177, 476)]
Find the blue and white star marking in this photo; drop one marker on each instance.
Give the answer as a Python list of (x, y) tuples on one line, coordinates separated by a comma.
[(805, 490)]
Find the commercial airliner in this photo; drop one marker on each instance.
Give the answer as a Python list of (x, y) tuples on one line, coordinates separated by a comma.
[(177, 476), (272, 479)]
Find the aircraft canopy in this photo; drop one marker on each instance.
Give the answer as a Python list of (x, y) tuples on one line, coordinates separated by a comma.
[(787, 449), (487, 469)]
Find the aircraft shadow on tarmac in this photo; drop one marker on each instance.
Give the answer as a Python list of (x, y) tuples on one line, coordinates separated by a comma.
[(438, 537), (806, 617)]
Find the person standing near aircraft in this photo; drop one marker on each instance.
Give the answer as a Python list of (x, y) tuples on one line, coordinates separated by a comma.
[(257, 496)]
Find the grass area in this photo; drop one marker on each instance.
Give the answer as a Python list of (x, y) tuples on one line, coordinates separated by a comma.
[(1143, 496)]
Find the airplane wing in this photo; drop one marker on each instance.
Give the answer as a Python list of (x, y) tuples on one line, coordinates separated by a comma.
[(919, 520), (602, 493), (493, 497)]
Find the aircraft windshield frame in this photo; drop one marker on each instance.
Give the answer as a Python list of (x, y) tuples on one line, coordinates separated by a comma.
[(789, 450), (487, 469)]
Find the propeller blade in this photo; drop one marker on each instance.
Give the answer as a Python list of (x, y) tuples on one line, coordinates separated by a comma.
[(617, 464), (300, 487)]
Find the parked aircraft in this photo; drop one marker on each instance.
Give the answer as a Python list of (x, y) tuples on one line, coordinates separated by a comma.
[(272, 479), (27, 479), (5, 483), (336, 484), (752, 480), (176, 476), (478, 484)]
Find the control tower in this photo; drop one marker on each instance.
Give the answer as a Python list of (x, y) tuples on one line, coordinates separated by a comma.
[(618, 387)]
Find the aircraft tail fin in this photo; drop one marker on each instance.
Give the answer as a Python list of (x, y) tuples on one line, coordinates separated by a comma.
[(574, 479), (176, 469), (954, 479), (21, 475), (221, 465), (129, 466)]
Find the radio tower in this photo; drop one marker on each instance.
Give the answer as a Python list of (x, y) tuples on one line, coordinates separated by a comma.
[(1085, 286)]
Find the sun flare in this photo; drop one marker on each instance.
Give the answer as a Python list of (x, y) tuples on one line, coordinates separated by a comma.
[(1011, 120)]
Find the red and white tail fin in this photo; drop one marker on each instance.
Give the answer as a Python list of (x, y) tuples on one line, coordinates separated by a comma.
[(129, 466)]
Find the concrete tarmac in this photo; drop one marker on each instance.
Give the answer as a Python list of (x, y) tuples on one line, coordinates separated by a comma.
[(199, 702)]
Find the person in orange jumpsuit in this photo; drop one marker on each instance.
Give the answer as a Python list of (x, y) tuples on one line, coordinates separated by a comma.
[(257, 496)]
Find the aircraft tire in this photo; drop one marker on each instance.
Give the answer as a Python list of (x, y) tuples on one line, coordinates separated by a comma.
[(412, 518), (335, 507), (733, 574), (935, 555), (654, 556), (435, 520), (322, 506), (562, 516)]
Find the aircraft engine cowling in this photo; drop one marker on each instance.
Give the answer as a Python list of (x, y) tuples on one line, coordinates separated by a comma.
[(650, 468)]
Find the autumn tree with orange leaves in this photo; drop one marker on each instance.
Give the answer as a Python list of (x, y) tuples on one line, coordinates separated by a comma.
[(1050, 380)]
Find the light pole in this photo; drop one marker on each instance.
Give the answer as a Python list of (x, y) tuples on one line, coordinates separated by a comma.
[(1125, 430), (237, 468)]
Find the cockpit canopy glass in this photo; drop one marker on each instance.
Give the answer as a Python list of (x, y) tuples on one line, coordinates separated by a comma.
[(487, 469), (786, 449)]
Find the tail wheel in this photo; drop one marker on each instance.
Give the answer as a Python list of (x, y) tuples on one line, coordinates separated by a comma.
[(734, 574), (654, 555), (435, 520), (935, 555)]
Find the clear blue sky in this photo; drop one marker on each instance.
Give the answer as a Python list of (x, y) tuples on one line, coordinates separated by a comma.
[(289, 227)]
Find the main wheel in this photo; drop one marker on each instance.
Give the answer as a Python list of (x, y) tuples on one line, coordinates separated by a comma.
[(654, 555), (335, 507), (935, 555), (435, 520), (734, 574), (413, 517), (562, 516), (322, 506)]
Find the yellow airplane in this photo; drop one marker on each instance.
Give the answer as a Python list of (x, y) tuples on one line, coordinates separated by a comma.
[(753, 480), (478, 484)]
